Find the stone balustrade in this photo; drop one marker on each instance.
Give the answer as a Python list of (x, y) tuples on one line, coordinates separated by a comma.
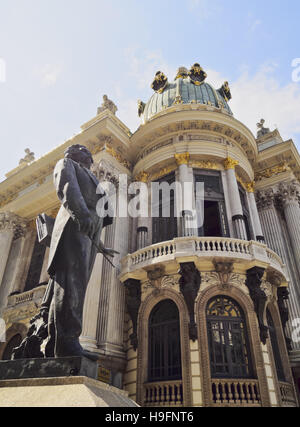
[(35, 295), (235, 392), (163, 394), (209, 247)]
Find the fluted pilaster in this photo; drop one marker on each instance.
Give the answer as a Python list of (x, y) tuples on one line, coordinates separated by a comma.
[(278, 241), (11, 228), (289, 195)]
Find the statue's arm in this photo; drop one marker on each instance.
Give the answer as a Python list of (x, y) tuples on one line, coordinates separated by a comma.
[(68, 190)]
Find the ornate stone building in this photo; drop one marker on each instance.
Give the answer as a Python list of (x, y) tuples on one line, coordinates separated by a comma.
[(191, 316)]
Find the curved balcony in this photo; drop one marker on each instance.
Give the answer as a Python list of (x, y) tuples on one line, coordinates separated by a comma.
[(206, 248)]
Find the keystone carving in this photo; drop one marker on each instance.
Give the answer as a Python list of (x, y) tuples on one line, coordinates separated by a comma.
[(282, 296), (259, 298), (190, 282), (133, 303)]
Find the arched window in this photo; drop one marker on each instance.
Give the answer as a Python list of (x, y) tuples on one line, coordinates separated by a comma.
[(12, 343), (275, 348), (164, 343), (227, 338)]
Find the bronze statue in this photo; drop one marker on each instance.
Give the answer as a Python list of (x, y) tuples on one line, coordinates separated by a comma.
[(74, 245)]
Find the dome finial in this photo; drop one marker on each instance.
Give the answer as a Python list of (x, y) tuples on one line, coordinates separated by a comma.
[(197, 74), (160, 82), (225, 92), (182, 73)]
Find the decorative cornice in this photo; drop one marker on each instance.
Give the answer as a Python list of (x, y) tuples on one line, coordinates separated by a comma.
[(182, 159), (202, 164), (162, 172), (110, 150), (230, 163), (275, 170)]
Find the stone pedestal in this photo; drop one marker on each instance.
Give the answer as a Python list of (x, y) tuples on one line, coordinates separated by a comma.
[(61, 392), (48, 368)]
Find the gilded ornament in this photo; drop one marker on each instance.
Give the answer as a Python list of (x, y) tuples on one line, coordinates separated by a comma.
[(197, 75), (142, 177), (276, 170), (160, 82), (182, 73), (205, 165), (162, 172), (230, 163), (182, 159), (110, 150)]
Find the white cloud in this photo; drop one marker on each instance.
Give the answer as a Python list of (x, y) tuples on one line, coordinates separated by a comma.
[(204, 8), (255, 25), (144, 65), (262, 96), (49, 74)]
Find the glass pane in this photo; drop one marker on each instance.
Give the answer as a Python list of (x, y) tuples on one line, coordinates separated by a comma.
[(227, 339), (164, 342)]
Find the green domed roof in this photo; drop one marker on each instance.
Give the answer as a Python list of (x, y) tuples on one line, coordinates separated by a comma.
[(184, 90)]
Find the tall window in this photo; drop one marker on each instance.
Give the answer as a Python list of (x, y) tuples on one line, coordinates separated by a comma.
[(215, 219), (227, 338), (275, 348), (164, 228), (246, 212), (164, 343)]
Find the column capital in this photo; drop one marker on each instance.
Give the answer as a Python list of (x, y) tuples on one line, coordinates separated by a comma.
[(289, 192), (9, 221), (230, 163), (142, 177), (182, 158), (265, 198)]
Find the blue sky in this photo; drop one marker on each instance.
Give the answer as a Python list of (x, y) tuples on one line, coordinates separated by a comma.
[(62, 56)]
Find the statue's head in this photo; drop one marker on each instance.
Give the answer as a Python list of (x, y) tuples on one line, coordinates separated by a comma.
[(80, 154)]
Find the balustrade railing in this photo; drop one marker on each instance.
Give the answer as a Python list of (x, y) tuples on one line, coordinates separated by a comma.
[(167, 394), (26, 297), (232, 392), (202, 246)]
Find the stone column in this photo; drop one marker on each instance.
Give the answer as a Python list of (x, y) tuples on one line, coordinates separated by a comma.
[(276, 240), (235, 200), (270, 221), (110, 331), (91, 306), (26, 244), (254, 213), (11, 228), (185, 198), (289, 195)]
